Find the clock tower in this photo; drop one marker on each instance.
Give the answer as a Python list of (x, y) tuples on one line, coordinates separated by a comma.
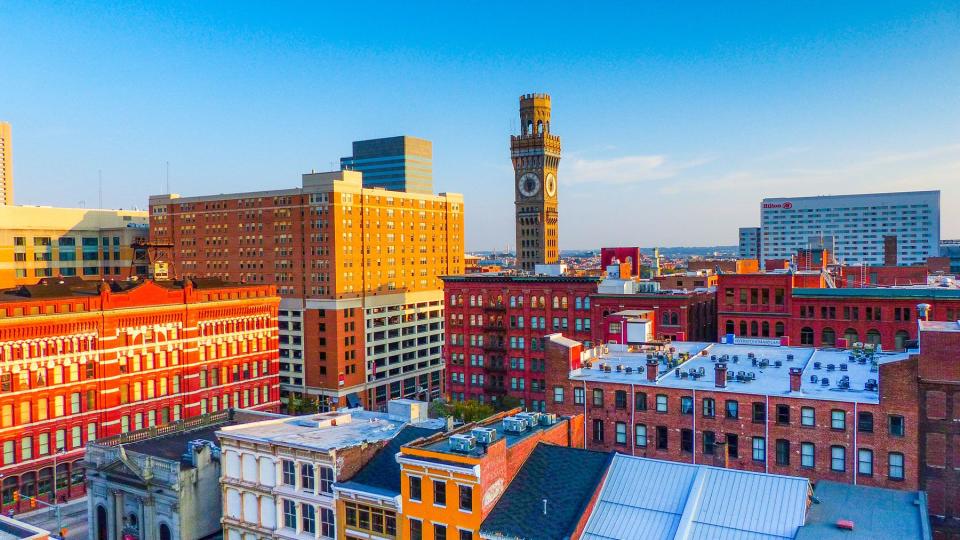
[(536, 155)]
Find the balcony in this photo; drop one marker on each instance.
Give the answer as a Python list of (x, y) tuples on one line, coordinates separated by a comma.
[(491, 388), (494, 306), (494, 347)]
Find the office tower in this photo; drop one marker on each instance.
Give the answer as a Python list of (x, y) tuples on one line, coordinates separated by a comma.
[(749, 243), (358, 269), (396, 163)]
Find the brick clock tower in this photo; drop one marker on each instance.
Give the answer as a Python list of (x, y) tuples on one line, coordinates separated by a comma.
[(536, 155)]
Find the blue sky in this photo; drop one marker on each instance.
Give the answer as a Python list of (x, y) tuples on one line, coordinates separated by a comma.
[(675, 120)]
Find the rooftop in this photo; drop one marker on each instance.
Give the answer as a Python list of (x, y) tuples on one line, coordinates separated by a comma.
[(828, 374), (652, 499), (500, 423), (510, 276), (919, 292), (940, 326), (13, 529), (381, 475), (72, 287), (323, 432), (876, 513), (542, 504)]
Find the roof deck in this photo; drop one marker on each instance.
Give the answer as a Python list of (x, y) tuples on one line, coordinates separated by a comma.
[(827, 374)]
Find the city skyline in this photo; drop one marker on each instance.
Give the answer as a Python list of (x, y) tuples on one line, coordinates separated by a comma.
[(705, 113)]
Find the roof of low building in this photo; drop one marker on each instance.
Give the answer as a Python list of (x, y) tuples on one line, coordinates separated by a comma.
[(876, 513), (915, 292), (548, 495), (652, 499), (940, 326), (381, 475)]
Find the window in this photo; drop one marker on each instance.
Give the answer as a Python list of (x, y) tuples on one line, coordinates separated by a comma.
[(416, 529), (466, 498), (439, 532), (709, 408), (807, 417), (661, 403), (289, 514), (733, 445), (620, 399), (558, 394), (732, 408), (865, 462), (306, 477), (759, 413), (759, 449), (326, 480), (597, 430), (895, 465), (640, 433), (578, 396), (838, 458), (439, 493), (662, 442), (620, 433), (709, 443), (865, 422), (289, 473), (466, 534), (414, 482), (897, 425), (327, 523), (807, 455), (686, 440), (838, 419), (309, 519), (686, 405), (783, 414), (783, 452), (597, 397), (640, 401)]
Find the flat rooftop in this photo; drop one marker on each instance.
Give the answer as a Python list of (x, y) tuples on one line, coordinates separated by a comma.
[(751, 369), (322, 432), (442, 444), (876, 513), (940, 326)]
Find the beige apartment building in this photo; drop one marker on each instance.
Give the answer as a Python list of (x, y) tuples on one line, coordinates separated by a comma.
[(43, 241)]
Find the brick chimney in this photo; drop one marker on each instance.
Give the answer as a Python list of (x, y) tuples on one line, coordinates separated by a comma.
[(795, 376), (720, 374), (653, 366)]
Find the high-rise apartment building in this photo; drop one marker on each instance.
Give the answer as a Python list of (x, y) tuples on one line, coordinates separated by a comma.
[(6, 165), (361, 320), (854, 228), (397, 163), (536, 155), (42, 241)]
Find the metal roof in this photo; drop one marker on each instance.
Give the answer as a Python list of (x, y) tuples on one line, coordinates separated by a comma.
[(876, 513), (647, 499)]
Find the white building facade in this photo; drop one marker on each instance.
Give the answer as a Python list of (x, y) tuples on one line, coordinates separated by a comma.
[(855, 228)]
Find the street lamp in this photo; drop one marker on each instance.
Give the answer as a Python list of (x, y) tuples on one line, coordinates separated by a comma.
[(56, 501)]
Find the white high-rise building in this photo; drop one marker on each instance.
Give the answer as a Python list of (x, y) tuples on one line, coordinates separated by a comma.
[(855, 228)]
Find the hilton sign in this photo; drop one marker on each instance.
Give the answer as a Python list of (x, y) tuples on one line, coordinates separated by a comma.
[(785, 205)]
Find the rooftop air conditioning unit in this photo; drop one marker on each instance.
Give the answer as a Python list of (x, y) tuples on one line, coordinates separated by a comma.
[(462, 443), (548, 419), (484, 435), (514, 424), (532, 418)]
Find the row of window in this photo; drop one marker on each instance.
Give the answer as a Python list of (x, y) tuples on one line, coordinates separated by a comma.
[(439, 493), (440, 531), (307, 477), (838, 418), (307, 514), (838, 453)]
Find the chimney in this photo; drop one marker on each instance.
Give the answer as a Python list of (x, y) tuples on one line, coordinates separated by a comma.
[(720, 375), (795, 377), (653, 366), (923, 312)]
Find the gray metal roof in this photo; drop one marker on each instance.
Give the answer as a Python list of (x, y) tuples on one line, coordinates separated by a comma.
[(647, 499)]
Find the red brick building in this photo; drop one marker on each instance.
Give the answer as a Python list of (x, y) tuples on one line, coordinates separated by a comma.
[(800, 307), (678, 315), (82, 360), (495, 326), (833, 415)]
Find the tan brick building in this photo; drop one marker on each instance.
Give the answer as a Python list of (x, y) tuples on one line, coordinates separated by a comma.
[(361, 319)]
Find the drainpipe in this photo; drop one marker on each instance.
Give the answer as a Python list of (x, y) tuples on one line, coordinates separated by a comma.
[(856, 451), (766, 434), (633, 420), (693, 413), (585, 414)]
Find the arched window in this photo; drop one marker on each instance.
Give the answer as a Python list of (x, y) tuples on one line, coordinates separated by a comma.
[(102, 533), (754, 328), (851, 335), (513, 301), (806, 336), (778, 329), (540, 127), (765, 329), (556, 302), (164, 532), (873, 336), (586, 303), (665, 318), (730, 327), (743, 328), (900, 340), (675, 318), (828, 338)]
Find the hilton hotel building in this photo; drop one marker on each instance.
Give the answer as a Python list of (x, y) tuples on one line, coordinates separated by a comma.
[(357, 268), (873, 229)]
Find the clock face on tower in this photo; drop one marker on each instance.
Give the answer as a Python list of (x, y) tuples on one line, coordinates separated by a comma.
[(529, 184), (550, 187)]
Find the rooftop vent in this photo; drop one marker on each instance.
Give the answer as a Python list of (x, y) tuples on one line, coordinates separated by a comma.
[(813, 379), (843, 367), (871, 385), (548, 419), (790, 356), (484, 435), (629, 370), (778, 363), (462, 443), (817, 365), (831, 367), (514, 424), (825, 381)]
